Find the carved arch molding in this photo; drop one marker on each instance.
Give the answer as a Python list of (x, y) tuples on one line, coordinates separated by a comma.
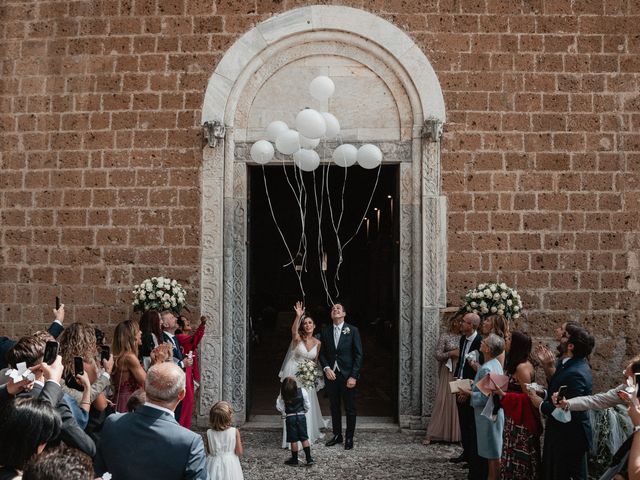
[(399, 65)]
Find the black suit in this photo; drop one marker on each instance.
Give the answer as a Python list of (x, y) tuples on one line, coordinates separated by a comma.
[(178, 360), (149, 443), (466, 415), (70, 433), (566, 444), (6, 343), (348, 358)]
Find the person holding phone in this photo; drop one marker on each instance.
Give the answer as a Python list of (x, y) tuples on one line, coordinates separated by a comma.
[(566, 443)]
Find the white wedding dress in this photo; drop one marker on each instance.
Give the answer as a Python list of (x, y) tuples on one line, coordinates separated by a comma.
[(314, 416)]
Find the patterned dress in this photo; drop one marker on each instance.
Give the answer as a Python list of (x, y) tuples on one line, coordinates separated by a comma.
[(521, 447)]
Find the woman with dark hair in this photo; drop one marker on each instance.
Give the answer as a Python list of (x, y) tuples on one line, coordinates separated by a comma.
[(62, 463), (521, 442), (26, 426), (444, 425), (150, 326)]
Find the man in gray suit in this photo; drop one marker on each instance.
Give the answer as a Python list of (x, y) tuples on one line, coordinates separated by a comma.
[(149, 442)]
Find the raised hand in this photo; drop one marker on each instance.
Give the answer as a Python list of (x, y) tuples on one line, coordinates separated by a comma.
[(203, 319), (299, 308), (544, 354)]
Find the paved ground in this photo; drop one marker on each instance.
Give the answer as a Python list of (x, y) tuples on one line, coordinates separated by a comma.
[(377, 455)]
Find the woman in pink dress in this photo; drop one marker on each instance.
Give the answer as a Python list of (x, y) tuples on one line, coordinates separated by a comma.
[(189, 344)]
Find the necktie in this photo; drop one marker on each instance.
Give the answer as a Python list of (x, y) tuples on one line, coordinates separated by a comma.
[(336, 335), (462, 359)]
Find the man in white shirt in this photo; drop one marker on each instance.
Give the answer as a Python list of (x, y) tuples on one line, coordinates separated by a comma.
[(149, 442)]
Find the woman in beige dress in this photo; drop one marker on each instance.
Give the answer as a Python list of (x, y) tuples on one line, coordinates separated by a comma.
[(444, 425)]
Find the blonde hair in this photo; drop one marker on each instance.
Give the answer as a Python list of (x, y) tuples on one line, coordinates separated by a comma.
[(220, 416), (77, 340)]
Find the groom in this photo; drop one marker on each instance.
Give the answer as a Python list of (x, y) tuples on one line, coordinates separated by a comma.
[(341, 359)]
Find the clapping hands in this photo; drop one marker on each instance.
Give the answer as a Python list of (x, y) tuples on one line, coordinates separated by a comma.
[(543, 354)]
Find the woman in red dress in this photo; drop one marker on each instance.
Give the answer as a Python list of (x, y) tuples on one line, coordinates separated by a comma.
[(189, 344)]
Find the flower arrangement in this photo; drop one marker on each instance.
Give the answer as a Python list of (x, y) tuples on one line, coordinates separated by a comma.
[(493, 298), (159, 293), (308, 374)]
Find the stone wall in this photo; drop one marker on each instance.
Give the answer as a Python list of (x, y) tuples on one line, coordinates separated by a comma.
[(101, 150)]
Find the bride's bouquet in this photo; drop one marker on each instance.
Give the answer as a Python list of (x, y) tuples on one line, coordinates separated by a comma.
[(308, 374)]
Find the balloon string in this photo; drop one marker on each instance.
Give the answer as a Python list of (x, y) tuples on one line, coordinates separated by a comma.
[(367, 209), (319, 209), (273, 215), (298, 196), (336, 228)]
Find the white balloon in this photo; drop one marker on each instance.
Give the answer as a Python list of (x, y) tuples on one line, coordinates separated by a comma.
[(321, 88), (369, 156), (310, 123), (306, 160), (333, 125), (309, 142), (288, 142), (345, 155), (262, 152), (275, 128)]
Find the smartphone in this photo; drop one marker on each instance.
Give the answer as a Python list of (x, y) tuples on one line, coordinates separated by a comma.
[(50, 352), (105, 352), (57, 303), (78, 365), (562, 391)]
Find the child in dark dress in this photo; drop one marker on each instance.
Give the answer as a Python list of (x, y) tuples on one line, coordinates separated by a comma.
[(292, 403)]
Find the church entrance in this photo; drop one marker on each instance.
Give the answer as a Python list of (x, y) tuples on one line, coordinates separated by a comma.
[(367, 283)]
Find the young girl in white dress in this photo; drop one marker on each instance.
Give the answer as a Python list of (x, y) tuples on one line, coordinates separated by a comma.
[(224, 445), (304, 346)]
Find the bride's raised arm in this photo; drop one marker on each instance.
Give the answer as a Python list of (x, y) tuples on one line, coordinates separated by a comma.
[(295, 327)]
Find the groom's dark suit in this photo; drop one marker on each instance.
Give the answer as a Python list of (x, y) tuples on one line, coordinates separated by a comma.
[(345, 359)]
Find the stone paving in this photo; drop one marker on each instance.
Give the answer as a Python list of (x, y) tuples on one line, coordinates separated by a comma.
[(377, 455)]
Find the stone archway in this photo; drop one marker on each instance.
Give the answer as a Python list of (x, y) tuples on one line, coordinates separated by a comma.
[(327, 35)]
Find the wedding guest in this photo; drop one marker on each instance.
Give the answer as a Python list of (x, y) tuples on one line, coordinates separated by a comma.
[(499, 325), (149, 442), (564, 459), (521, 447), (169, 327), (224, 443), (136, 399), (544, 355), (189, 344), (54, 330), (488, 432), (128, 374), (293, 403), (151, 328), (61, 463), (30, 350), (469, 342), (444, 425), (79, 340), (608, 399), (26, 426)]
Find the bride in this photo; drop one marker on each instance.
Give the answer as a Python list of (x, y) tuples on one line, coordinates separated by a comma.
[(304, 346)]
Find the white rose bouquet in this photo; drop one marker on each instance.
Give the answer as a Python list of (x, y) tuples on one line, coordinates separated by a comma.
[(159, 293), (493, 298), (308, 374)]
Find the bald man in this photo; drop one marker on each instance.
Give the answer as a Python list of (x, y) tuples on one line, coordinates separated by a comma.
[(149, 442)]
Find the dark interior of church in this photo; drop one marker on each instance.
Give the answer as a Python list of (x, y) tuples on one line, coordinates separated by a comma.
[(367, 283)]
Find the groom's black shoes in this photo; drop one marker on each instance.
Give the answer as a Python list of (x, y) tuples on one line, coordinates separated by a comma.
[(334, 440), (348, 444)]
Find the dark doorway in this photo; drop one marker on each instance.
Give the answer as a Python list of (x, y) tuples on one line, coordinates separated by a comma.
[(367, 284)]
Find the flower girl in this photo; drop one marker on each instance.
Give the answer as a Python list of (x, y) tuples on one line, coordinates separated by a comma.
[(224, 444)]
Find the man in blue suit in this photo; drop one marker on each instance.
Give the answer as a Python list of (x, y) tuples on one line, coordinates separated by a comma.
[(341, 360), (149, 442), (566, 443)]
